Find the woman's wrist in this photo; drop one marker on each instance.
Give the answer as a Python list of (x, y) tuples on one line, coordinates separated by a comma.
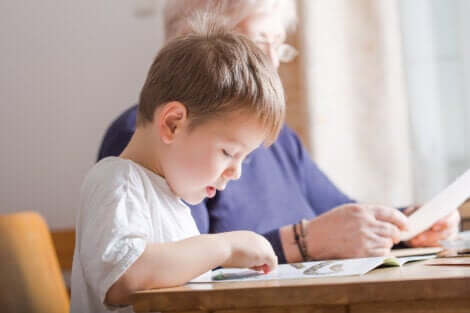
[(289, 245), (300, 236)]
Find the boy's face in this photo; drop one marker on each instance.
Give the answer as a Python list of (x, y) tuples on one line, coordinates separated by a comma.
[(204, 159)]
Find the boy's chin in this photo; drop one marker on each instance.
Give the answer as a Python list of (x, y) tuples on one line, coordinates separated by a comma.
[(193, 200)]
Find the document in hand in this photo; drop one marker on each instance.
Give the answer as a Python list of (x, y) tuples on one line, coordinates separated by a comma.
[(438, 207), (328, 268)]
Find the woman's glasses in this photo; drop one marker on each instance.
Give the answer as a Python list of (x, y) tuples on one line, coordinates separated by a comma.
[(285, 52)]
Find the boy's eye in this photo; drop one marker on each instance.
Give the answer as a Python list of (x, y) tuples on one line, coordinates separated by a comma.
[(226, 153)]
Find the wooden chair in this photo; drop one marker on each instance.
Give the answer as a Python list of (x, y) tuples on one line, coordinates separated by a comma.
[(465, 214), (30, 276), (64, 244)]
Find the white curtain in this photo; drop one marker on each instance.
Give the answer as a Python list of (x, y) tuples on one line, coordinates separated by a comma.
[(353, 87), (436, 36)]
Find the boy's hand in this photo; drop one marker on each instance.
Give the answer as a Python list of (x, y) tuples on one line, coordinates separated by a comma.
[(248, 249)]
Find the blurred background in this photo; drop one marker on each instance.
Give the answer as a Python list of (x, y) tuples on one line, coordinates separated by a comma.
[(379, 93)]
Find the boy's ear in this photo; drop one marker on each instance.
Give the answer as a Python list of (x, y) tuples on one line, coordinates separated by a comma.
[(172, 118)]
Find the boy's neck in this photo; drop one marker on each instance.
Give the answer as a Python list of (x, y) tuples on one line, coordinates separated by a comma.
[(142, 150)]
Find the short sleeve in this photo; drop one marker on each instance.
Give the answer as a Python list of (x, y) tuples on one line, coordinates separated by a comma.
[(114, 228)]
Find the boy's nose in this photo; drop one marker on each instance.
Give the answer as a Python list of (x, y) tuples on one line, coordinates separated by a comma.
[(238, 172), (234, 172)]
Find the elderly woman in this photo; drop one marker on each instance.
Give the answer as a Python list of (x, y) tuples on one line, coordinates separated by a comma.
[(282, 193)]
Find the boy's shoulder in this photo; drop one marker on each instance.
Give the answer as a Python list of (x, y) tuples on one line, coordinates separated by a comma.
[(115, 176), (112, 172)]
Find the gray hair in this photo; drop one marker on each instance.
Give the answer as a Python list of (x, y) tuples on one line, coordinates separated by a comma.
[(230, 13)]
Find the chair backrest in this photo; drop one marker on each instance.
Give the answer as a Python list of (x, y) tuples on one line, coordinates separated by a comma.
[(30, 276), (64, 244)]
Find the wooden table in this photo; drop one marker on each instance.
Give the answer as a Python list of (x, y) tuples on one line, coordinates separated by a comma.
[(415, 287)]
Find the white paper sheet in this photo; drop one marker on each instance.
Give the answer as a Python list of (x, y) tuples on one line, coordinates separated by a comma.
[(438, 207)]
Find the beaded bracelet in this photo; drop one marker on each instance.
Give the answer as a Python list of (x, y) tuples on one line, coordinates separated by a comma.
[(303, 240), (300, 241)]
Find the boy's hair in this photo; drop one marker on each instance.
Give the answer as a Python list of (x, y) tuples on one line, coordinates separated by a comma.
[(214, 72)]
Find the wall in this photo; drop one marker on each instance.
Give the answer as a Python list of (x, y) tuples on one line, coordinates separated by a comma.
[(67, 69)]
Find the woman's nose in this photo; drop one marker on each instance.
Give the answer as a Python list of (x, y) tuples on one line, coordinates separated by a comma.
[(273, 56)]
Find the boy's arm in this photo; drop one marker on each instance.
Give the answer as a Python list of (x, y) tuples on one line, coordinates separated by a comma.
[(175, 263)]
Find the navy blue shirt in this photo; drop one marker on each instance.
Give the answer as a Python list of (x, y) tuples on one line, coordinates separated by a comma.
[(279, 186)]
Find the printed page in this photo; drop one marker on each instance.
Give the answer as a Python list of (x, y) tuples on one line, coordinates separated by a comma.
[(439, 206), (415, 251), (393, 261), (329, 268)]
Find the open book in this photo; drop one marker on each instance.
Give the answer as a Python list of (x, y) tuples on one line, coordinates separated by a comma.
[(329, 268), (438, 207)]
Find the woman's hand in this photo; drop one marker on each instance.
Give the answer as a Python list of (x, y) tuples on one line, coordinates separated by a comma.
[(349, 231), (445, 228)]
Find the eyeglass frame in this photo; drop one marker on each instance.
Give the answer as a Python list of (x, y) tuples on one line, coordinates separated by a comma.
[(286, 53)]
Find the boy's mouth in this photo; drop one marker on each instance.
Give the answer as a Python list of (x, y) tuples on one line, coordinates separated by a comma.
[(210, 191)]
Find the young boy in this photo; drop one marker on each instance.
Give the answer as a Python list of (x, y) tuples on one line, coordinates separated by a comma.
[(208, 101)]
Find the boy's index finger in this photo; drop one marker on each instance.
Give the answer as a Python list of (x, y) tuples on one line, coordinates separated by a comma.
[(271, 264), (392, 215)]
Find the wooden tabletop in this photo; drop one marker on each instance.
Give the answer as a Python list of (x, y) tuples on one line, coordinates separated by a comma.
[(415, 287)]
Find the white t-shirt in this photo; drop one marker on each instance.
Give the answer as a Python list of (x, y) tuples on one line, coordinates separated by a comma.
[(123, 207)]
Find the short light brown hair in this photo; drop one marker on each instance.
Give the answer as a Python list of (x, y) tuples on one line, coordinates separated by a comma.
[(214, 73)]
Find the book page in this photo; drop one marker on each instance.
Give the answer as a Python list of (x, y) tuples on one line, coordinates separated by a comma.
[(415, 251), (305, 270), (328, 268), (438, 207)]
